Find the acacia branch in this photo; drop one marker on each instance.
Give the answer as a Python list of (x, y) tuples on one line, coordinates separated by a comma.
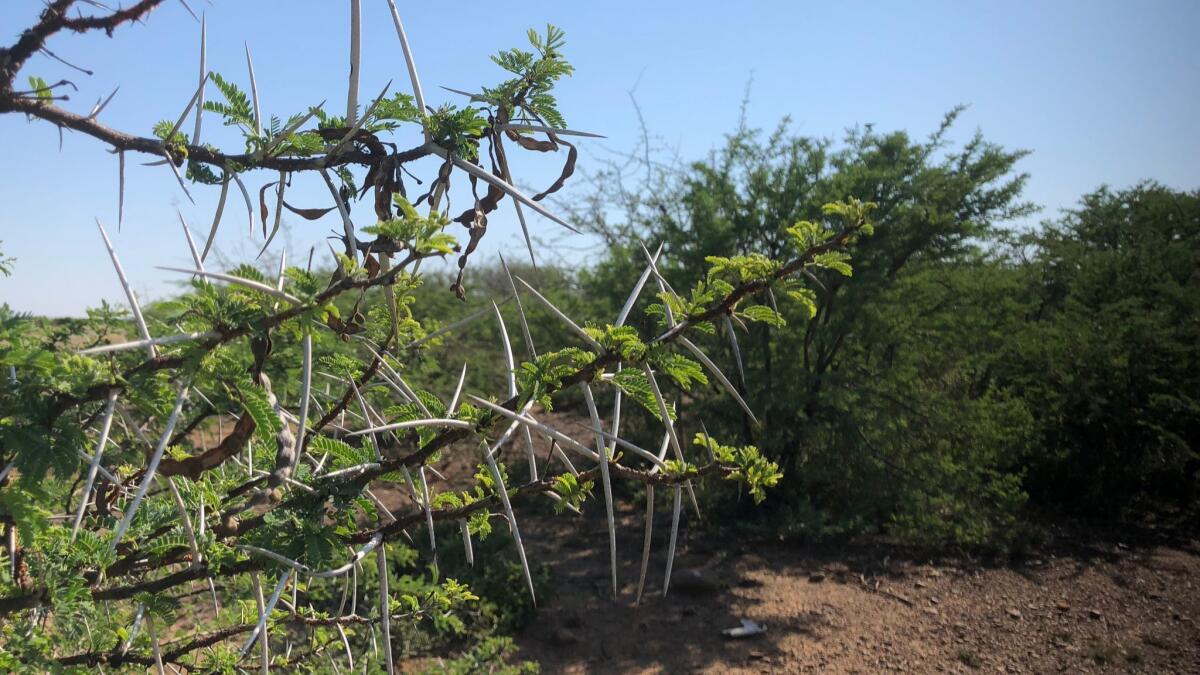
[(837, 243), (173, 651), (204, 154), (390, 531), (52, 20), (61, 403), (230, 527), (585, 374)]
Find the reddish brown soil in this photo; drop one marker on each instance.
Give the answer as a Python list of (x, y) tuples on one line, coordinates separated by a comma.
[(1102, 609), (1087, 608)]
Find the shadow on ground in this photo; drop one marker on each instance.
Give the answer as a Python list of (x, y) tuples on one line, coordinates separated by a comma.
[(1102, 608)]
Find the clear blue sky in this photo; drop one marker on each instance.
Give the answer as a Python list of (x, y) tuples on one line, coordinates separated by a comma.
[(1101, 91)]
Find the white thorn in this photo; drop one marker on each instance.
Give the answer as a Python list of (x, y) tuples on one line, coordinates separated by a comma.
[(462, 378), (412, 66), (512, 520), (245, 196), (339, 571), (475, 98), (248, 283), (470, 318), (187, 233), (178, 177), (191, 102), (254, 93), (129, 294), (212, 232), (356, 125), (537, 128), (305, 389), (542, 428), (606, 481), (466, 535), (413, 424), (674, 535), (189, 11), (520, 310), (563, 317), (355, 60), (151, 468), (670, 425), (646, 542), (101, 106), (491, 179), (203, 77), (637, 288), (105, 426), (737, 353), (712, 368), (138, 344), (428, 516), (502, 155), (264, 613)]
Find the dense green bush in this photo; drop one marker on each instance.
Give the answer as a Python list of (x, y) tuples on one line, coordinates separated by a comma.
[(964, 373), (879, 406), (1109, 360)]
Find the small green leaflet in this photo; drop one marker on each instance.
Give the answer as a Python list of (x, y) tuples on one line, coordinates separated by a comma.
[(258, 406), (763, 314), (633, 382), (345, 453)]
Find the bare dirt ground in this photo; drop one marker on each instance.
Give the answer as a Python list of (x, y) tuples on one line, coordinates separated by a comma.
[(1099, 609), (1078, 607)]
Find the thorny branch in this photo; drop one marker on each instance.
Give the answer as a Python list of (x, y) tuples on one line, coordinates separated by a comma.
[(137, 573)]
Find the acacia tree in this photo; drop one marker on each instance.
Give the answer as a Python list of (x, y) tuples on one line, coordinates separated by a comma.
[(117, 506), (881, 387)]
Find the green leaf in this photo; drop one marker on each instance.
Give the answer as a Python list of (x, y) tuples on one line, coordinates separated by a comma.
[(258, 406), (345, 453), (634, 383), (807, 299), (679, 368), (40, 89), (763, 314), (573, 492), (23, 507)]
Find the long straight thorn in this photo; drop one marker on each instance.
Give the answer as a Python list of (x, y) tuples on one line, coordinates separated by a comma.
[(512, 519), (134, 307), (120, 188), (151, 468), (462, 378), (100, 106), (212, 232), (203, 77), (637, 288), (675, 509), (355, 60), (254, 93), (412, 68), (520, 310), (563, 317), (105, 426), (646, 543), (602, 451), (189, 11), (187, 233), (491, 179)]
